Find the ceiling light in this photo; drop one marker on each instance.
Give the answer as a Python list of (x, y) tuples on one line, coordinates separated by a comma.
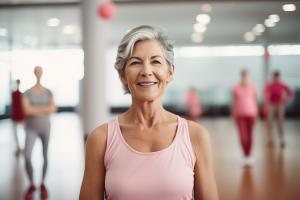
[(289, 7), (275, 18), (3, 32), (258, 29), (197, 37), (53, 22), (203, 18), (206, 8), (269, 23), (249, 37), (69, 29), (199, 28)]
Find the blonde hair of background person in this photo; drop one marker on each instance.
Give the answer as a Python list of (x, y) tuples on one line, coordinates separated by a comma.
[(146, 133)]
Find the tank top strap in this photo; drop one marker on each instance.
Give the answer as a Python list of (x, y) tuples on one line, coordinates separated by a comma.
[(112, 140), (185, 135)]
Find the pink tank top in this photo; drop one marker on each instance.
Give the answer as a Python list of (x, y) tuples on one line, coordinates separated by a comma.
[(245, 98), (167, 174)]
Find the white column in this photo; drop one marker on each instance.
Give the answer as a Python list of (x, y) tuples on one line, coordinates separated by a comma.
[(94, 109)]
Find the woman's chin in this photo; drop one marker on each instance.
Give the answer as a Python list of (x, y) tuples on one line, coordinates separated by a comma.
[(147, 97)]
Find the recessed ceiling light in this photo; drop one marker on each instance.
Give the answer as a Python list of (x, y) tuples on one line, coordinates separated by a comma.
[(258, 29), (203, 18), (206, 8), (275, 18), (249, 37), (3, 32), (197, 37), (269, 23), (53, 22), (289, 7), (199, 28)]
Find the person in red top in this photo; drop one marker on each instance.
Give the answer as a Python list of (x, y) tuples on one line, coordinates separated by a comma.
[(17, 114), (277, 95)]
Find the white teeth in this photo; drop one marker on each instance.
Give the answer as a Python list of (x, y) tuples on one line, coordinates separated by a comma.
[(146, 84)]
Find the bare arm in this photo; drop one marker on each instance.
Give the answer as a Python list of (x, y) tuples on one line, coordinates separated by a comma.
[(29, 109), (93, 183), (205, 187), (52, 106)]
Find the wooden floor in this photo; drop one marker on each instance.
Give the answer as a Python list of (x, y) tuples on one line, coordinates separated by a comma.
[(274, 176)]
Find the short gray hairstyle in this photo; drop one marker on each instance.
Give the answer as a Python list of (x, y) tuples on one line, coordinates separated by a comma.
[(142, 33)]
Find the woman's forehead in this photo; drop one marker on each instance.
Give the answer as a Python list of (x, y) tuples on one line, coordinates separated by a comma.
[(149, 47)]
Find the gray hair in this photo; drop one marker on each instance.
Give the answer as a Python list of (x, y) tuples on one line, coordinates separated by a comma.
[(142, 33)]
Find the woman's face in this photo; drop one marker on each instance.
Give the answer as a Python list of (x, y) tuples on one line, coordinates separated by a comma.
[(147, 72), (38, 71), (245, 75)]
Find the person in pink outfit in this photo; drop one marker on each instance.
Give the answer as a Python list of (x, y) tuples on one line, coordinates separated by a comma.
[(244, 111), (193, 103), (148, 153), (277, 95)]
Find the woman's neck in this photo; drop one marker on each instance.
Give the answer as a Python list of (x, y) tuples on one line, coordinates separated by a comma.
[(244, 83), (146, 113)]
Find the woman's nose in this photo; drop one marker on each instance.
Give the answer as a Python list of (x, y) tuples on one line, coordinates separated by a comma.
[(146, 70)]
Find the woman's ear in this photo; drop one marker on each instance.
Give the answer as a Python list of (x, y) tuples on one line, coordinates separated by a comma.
[(170, 73), (122, 77)]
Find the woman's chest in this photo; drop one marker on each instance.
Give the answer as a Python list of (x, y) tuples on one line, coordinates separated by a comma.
[(149, 140)]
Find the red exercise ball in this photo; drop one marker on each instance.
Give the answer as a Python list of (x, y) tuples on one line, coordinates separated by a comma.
[(106, 10)]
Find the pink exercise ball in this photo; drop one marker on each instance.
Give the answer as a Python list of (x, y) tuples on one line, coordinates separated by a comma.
[(106, 10)]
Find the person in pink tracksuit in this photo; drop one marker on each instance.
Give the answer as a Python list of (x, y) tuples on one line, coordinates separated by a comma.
[(244, 111), (193, 103), (277, 95)]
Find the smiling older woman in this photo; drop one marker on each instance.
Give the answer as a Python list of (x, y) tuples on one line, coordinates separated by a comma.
[(148, 152)]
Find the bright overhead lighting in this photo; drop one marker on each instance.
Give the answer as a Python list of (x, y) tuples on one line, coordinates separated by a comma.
[(258, 29), (221, 51), (197, 37), (249, 37), (199, 28), (53, 22), (275, 18), (289, 7), (269, 23), (206, 8), (284, 49), (3, 32), (69, 29), (203, 18)]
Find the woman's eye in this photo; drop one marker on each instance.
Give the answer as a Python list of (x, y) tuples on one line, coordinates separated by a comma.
[(134, 63), (156, 62)]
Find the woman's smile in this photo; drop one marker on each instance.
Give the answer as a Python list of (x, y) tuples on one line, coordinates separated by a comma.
[(147, 84)]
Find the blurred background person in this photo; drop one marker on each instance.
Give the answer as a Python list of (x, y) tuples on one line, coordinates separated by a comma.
[(244, 111), (17, 114), (193, 103), (38, 103), (277, 94)]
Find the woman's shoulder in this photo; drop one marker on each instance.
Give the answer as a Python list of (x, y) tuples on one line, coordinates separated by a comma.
[(99, 133), (28, 92), (198, 133), (97, 138), (236, 87)]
